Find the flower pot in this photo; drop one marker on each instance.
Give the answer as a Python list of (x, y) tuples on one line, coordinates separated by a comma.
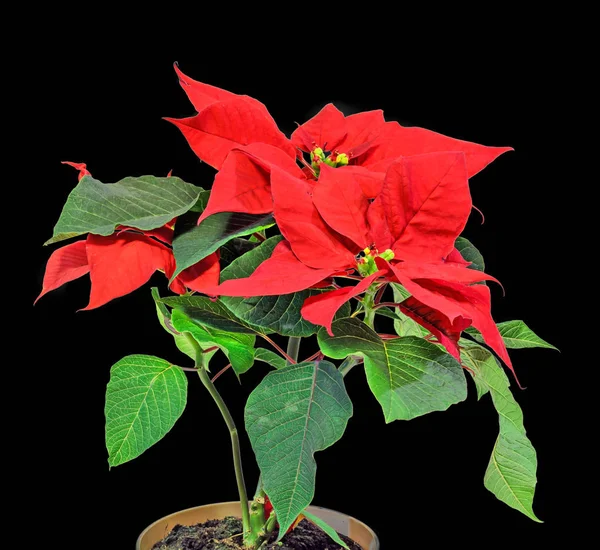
[(342, 523)]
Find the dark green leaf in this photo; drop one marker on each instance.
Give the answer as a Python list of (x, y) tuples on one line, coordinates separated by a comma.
[(470, 254), (235, 248), (279, 314), (206, 312), (144, 398), (409, 376), (238, 347), (145, 203), (292, 414), (214, 231)]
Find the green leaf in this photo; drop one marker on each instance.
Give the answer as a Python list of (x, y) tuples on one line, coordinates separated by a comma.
[(235, 248), (324, 526), (201, 202), (279, 314), (144, 398), (473, 355), (470, 254), (238, 347), (293, 413), (511, 473), (270, 357), (404, 325), (206, 312), (214, 231), (164, 318), (409, 376), (145, 203), (516, 335)]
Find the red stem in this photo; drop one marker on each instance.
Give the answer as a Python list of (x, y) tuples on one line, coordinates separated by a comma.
[(313, 356), (216, 376), (385, 304), (259, 237), (379, 294), (278, 348)]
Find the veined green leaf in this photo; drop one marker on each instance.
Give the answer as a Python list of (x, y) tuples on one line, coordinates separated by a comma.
[(404, 325), (144, 398), (409, 376), (470, 254), (279, 314), (164, 318), (270, 357), (206, 312), (214, 231), (511, 473), (292, 414), (145, 203), (238, 347), (516, 335)]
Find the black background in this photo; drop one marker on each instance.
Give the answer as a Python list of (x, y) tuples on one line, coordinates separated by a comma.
[(422, 478)]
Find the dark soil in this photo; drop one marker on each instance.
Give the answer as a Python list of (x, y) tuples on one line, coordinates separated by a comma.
[(224, 534)]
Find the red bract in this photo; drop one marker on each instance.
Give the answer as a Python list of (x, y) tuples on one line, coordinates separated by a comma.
[(236, 135), (225, 121), (122, 262), (371, 142), (422, 208)]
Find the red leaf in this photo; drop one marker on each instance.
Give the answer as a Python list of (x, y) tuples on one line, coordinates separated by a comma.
[(378, 226), (475, 301), (243, 183), (454, 300), (361, 131), (447, 332), (342, 204), (282, 273), (456, 257), (119, 264), (313, 242), (326, 130), (224, 125), (321, 309), (201, 95), (395, 140), (83, 171), (427, 202), (370, 182), (455, 273), (204, 274), (65, 264)]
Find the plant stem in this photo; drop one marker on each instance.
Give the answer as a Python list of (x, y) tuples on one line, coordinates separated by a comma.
[(368, 303), (278, 348), (348, 363), (235, 440), (293, 348)]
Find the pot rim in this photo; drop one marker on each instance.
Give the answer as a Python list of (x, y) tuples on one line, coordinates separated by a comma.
[(311, 508)]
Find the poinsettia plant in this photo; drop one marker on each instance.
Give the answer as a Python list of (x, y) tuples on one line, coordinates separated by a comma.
[(351, 220)]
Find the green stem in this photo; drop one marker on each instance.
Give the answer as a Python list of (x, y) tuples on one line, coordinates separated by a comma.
[(293, 348), (368, 303), (348, 363), (235, 440)]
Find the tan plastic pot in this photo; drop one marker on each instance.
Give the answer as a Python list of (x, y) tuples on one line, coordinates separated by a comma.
[(342, 523)]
